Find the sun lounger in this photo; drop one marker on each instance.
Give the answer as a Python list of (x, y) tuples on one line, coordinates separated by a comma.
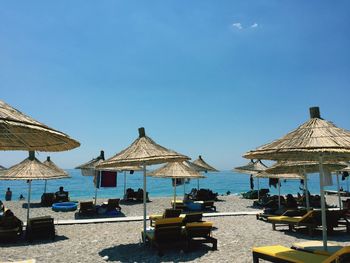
[(317, 247), (200, 232), (192, 217), (308, 220), (40, 227), (168, 213), (113, 204), (291, 212), (179, 204), (87, 208), (284, 254), (10, 228), (167, 233)]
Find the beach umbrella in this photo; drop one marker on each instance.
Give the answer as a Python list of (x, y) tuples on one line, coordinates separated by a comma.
[(21, 132), (252, 168), (176, 170), (205, 165), (279, 176), (303, 168), (31, 169), (143, 151), (89, 169), (315, 140), (51, 164)]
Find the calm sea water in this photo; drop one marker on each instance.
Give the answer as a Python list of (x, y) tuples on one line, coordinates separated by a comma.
[(82, 187)]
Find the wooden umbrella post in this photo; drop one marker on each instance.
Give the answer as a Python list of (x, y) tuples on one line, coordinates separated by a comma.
[(323, 205), (144, 203), (29, 194)]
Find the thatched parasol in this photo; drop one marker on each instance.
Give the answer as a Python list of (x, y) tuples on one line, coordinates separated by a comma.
[(315, 140), (206, 166), (31, 169), (252, 168), (89, 169), (288, 176), (20, 132), (52, 165), (303, 168), (143, 151), (176, 170)]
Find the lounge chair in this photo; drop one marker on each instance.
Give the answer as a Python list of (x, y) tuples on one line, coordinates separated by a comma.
[(208, 205), (47, 199), (284, 254), (308, 220), (40, 227), (113, 204), (87, 208), (179, 204), (192, 217), (316, 247), (11, 227), (167, 233), (168, 213), (200, 232), (282, 212)]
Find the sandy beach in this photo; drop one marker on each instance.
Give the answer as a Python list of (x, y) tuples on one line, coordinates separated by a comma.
[(121, 241)]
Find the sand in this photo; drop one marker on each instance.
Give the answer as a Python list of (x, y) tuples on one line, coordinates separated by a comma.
[(121, 241)]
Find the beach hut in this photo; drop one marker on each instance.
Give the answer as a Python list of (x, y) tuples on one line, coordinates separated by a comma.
[(176, 170), (206, 167), (303, 168), (143, 151), (315, 140), (252, 168), (52, 165), (31, 169)]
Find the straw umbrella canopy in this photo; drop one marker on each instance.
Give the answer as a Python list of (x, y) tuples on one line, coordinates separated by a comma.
[(288, 176), (31, 169), (21, 132), (51, 164), (205, 165), (303, 168), (252, 168), (143, 151), (315, 140), (176, 170), (89, 169)]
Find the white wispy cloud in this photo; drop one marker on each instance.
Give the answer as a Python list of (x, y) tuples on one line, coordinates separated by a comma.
[(255, 25), (237, 25)]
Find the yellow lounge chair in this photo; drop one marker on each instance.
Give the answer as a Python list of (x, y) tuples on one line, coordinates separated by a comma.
[(200, 232), (167, 232), (283, 254), (168, 213), (316, 247), (308, 220)]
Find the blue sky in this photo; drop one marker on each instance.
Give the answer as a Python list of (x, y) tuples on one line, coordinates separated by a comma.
[(216, 78)]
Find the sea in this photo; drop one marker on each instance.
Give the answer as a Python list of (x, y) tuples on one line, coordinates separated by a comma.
[(225, 182)]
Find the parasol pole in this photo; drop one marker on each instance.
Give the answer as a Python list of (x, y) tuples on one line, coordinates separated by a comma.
[(124, 184), (29, 192), (323, 205), (347, 184), (279, 194), (306, 191), (338, 188), (174, 206), (99, 174), (197, 184), (144, 202), (184, 188), (45, 186), (258, 189)]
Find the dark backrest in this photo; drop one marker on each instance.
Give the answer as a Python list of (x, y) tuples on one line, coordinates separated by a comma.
[(169, 213), (199, 229), (40, 222), (168, 233), (86, 205), (193, 217), (113, 204)]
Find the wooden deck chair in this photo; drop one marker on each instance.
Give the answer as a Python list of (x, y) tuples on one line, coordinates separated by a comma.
[(87, 208), (40, 227), (113, 204), (308, 220), (192, 217), (167, 233), (168, 213), (283, 254), (200, 232)]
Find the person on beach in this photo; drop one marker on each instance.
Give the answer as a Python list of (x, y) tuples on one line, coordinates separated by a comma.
[(61, 195), (21, 197), (8, 194)]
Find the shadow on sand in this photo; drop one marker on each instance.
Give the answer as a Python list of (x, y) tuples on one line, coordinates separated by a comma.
[(138, 252), (21, 242)]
